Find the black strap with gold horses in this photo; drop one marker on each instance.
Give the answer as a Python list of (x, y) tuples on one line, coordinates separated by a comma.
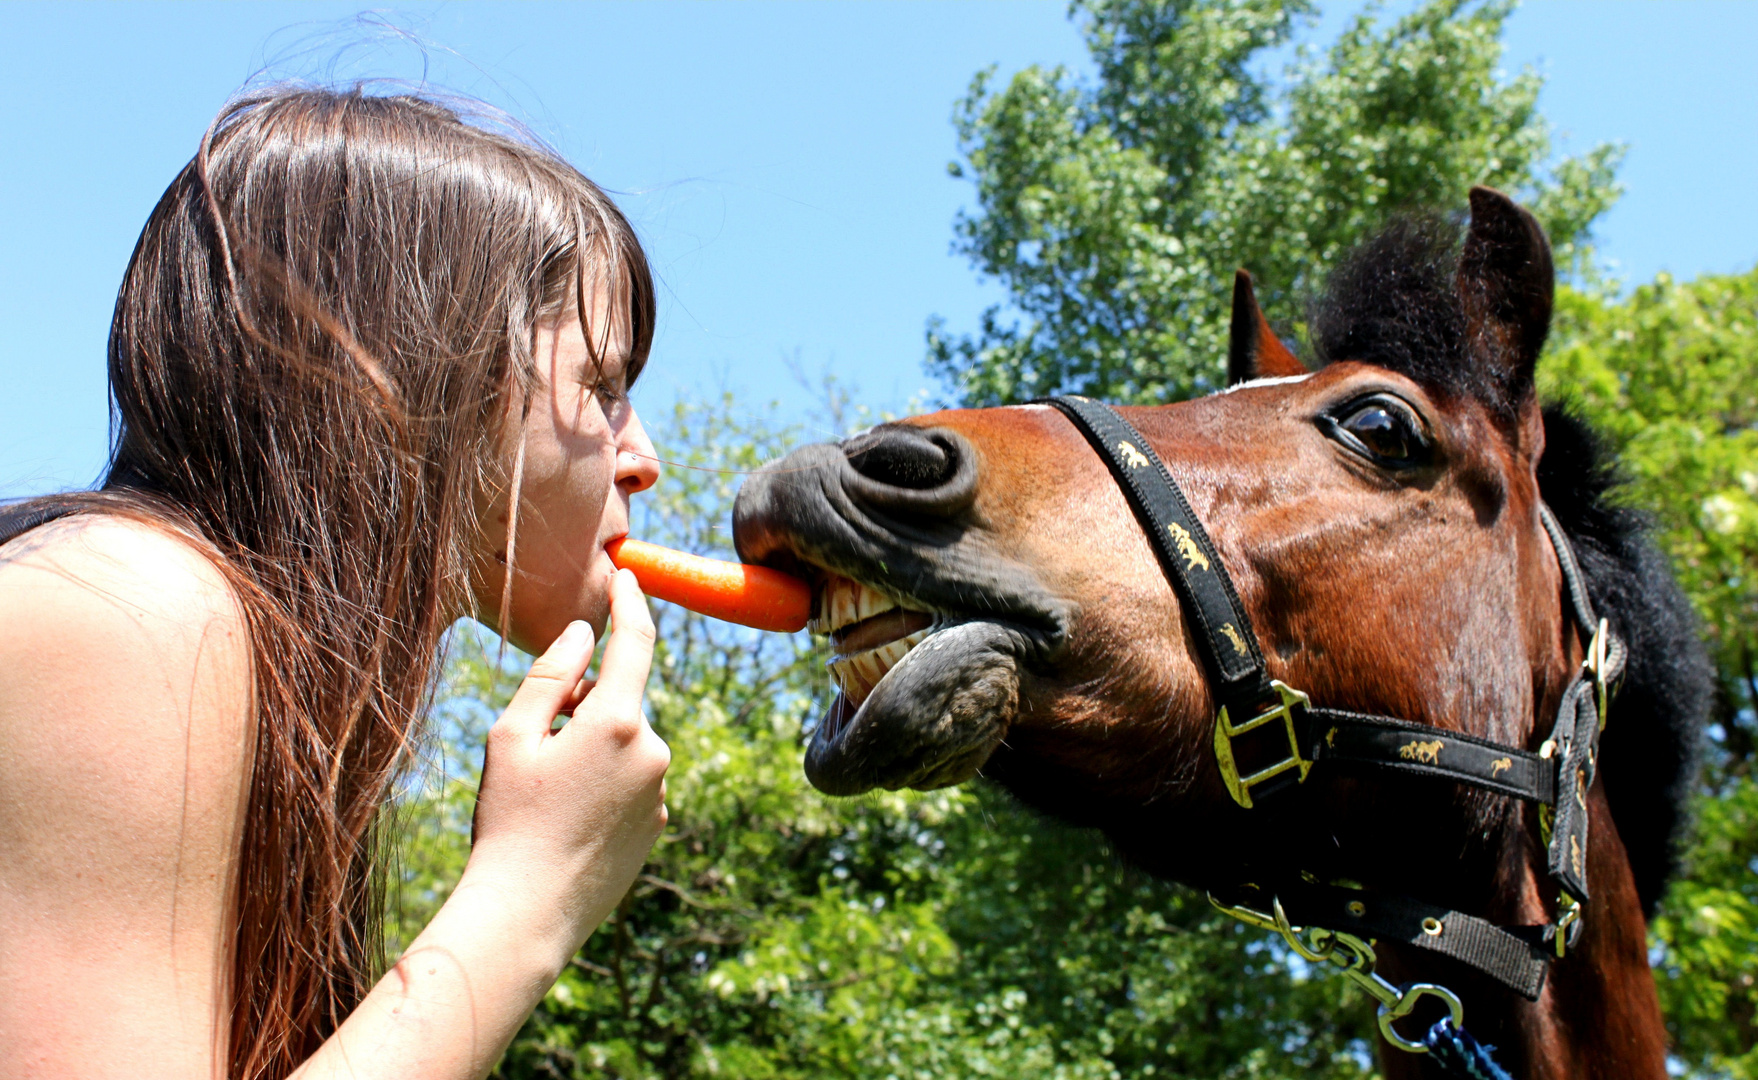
[(1269, 737)]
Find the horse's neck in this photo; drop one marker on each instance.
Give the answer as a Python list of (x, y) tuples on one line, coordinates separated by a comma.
[(1598, 1015)]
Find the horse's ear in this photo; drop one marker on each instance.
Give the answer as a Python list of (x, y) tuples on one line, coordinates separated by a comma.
[(1506, 282), (1253, 349)]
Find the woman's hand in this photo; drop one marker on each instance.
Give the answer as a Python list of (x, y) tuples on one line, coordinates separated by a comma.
[(564, 822), (565, 818)]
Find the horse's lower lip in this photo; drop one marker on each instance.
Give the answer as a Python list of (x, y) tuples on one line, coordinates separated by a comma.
[(929, 719)]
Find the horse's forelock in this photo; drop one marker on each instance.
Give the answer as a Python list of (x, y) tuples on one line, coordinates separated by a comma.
[(1394, 303)]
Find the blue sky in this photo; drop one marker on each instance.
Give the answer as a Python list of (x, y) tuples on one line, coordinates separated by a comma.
[(785, 163)]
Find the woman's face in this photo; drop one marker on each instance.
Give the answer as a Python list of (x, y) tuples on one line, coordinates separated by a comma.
[(585, 454)]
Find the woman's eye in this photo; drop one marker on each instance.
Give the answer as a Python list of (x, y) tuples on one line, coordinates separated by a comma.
[(610, 396), (1387, 432)]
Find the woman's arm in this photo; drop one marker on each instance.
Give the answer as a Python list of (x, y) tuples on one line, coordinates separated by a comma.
[(125, 735), (563, 824)]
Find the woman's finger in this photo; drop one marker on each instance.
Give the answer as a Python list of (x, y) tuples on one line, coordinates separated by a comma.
[(551, 683), (578, 694), (628, 655)]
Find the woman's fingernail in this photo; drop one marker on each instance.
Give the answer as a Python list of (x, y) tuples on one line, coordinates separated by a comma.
[(575, 635)]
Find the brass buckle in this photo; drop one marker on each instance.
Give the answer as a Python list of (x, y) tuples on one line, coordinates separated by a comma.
[(1225, 732), (1595, 665), (1568, 918)]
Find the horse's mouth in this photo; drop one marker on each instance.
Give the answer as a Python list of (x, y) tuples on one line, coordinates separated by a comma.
[(924, 697), (869, 633), (930, 626)]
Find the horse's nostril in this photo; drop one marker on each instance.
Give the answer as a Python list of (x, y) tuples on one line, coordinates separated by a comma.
[(900, 456)]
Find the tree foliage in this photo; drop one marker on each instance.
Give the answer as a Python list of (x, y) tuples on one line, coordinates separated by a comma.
[(1115, 212)]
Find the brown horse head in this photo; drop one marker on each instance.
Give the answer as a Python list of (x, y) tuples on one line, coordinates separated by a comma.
[(993, 605)]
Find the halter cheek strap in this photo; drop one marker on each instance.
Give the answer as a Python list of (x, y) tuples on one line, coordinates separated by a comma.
[(1269, 736), (1185, 552)]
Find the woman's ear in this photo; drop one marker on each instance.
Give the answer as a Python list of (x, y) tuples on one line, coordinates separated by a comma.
[(1253, 349)]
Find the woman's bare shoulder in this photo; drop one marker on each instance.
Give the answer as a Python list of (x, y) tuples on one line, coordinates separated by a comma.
[(119, 626), (140, 568), (126, 737)]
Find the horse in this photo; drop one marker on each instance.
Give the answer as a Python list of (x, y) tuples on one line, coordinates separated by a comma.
[(1405, 532)]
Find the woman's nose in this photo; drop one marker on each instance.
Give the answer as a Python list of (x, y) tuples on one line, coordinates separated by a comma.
[(637, 463)]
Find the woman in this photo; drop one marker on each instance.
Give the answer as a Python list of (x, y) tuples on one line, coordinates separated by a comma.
[(369, 367)]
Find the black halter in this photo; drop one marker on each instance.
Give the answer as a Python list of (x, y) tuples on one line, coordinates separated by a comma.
[(1269, 737)]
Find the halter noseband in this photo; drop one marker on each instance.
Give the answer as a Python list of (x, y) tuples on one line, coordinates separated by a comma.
[(1283, 736)]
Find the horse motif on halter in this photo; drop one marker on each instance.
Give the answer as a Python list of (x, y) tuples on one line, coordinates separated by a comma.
[(1232, 632), (1194, 559), (1133, 457), (1429, 753)]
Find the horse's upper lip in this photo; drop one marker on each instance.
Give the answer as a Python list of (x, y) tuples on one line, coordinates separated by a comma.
[(816, 516)]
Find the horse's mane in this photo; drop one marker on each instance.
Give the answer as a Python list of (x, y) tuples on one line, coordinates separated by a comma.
[(1653, 733), (1393, 303)]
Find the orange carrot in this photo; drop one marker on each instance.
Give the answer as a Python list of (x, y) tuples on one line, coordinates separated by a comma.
[(736, 592)]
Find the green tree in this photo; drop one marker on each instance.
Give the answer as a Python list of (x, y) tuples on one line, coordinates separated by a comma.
[(1671, 375), (1115, 212)]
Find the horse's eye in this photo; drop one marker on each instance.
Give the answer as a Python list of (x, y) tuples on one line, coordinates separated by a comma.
[(1386, 431)]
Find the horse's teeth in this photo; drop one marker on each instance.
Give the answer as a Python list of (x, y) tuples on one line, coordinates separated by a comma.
[(857, 675), (870, 603), (891, 652), (843, 602), (854, 676)]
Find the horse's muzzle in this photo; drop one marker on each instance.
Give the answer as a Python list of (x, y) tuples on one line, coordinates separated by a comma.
[(895, 509)]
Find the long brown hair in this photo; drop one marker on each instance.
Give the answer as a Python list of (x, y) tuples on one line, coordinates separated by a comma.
[(319, 337)]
